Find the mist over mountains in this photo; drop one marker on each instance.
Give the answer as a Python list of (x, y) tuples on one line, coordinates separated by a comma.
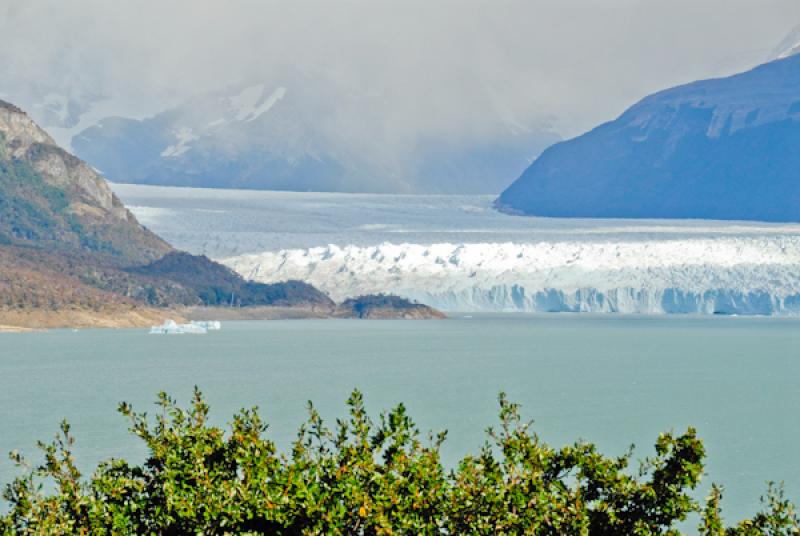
[(268, 137), (380, 96)]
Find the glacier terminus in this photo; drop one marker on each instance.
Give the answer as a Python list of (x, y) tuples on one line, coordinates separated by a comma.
[(456, 253)]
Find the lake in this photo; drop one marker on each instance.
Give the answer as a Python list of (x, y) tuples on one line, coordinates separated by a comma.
[(614, 380)]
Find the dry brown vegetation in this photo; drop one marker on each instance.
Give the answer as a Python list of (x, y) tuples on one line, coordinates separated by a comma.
[(38, 293)]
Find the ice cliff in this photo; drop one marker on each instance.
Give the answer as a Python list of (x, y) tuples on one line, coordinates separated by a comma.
[(725, 275)]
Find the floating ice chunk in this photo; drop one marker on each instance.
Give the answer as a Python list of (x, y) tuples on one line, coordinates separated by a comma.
[(210, 325), (170, 327)]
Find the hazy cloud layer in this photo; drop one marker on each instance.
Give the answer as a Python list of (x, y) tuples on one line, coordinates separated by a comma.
[(432, 68)]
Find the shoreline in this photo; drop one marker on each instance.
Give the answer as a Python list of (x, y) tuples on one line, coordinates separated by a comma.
[(16, 329), (41, 320), (27, 320)]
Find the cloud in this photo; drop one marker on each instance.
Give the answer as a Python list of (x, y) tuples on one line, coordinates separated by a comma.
[(432, 69)]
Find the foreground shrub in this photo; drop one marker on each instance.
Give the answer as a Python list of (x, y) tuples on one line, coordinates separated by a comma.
[(367, 478)]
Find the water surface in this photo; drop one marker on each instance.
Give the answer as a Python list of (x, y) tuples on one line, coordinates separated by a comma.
[(612, 380)]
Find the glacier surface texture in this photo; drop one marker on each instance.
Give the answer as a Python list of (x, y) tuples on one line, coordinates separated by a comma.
[(458, 254)]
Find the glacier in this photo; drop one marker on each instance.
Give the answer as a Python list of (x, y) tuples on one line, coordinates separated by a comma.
[(458, 254), (731, 275)]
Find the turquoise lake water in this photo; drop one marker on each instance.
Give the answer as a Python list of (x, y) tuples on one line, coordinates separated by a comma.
[(609, 379)]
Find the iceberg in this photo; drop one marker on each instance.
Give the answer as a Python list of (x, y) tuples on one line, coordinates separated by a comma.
[(170, 327), (209, 325)]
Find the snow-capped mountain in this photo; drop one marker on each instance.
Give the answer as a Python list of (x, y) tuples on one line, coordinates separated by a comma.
[(714, 149), (231, 138), (280, 137)]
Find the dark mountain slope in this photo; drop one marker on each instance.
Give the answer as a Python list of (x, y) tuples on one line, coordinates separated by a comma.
[(216, 284), (719, 149)]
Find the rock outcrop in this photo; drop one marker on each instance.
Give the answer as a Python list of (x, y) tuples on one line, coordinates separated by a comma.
[(386, 307), (49, 198)]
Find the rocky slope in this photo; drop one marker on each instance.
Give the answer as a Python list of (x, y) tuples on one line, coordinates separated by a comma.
[(37, 292), (714, 149), (49, 198), (60, 225)]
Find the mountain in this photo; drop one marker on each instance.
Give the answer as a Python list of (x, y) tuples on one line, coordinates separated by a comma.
[(259, 136), (72, 255), (51, 199), (720, 149)]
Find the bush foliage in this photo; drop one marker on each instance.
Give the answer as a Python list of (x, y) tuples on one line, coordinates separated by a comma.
[(370, 478)]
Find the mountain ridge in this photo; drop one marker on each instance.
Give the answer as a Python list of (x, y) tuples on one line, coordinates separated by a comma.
[(715, 149), (257, 136)]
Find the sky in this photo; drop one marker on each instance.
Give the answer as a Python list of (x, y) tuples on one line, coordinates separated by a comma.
[(435, 68)]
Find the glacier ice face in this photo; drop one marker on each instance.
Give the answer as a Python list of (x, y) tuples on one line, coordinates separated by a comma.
[(456, 253), (731, 275)]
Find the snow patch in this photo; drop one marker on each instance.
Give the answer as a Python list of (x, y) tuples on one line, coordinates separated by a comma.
[(795, 49), (265, 106), (788, 47), (243, 105), (184, 135), (250, 103)]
